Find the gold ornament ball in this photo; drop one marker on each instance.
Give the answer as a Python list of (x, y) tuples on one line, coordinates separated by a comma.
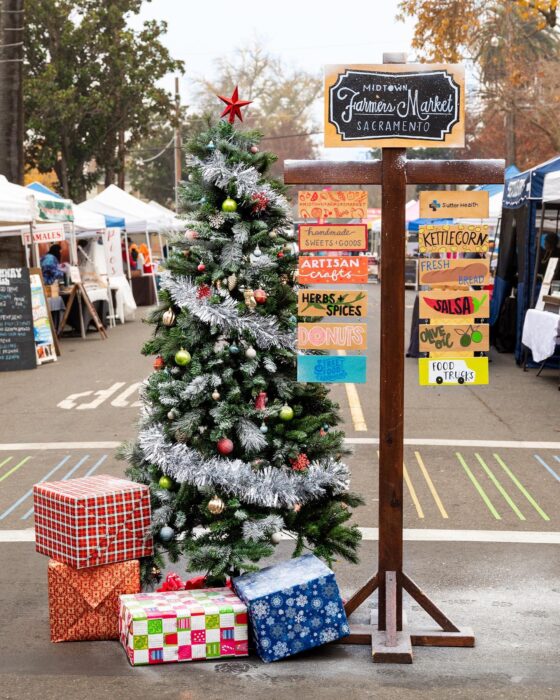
[(216, 395), (276, 538), (168, 317), (216, 505)]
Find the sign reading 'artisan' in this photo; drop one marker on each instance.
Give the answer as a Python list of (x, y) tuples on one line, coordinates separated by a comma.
[(377, 103)]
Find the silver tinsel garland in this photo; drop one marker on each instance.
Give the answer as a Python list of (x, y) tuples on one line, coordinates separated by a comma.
[(269, 487), (225, 315), (261, 530)]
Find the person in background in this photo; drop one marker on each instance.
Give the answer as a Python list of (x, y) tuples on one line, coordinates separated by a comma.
[(143, 249), (50, 265), (130, 253)]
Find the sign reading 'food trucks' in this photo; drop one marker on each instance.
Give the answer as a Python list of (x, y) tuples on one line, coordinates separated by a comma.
[(454, 305), (394, 105), (450, 272), (444, 371), (332, 303), (332, 336), (465, 204), (333, 204), (451, 238), (339, 270), (320, 237)]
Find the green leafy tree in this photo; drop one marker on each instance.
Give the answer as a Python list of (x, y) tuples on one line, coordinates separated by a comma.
[(234, 449), (90, 88)]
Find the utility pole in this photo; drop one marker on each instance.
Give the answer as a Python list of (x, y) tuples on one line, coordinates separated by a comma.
[(177, 140), (11, 90)]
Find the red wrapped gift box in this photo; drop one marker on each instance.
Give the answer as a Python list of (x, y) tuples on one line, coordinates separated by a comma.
[(92, 521)]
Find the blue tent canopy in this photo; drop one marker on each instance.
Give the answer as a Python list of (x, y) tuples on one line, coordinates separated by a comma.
[(511, 171), (416, 223), (39, 187), (518, 233)]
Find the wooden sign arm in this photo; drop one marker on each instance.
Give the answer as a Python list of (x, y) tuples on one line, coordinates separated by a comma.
[(418, 172)]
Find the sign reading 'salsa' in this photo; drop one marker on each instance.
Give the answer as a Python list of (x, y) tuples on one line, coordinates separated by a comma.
[(392, 105)]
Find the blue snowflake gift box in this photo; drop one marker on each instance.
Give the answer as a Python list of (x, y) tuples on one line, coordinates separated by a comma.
[(293, 606)]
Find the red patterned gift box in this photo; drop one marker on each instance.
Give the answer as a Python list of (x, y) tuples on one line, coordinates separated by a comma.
[(92, 521), (85, 604)]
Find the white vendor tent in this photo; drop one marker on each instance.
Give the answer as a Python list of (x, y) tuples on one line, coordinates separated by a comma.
[(175, 222), (17, 204), (551, 187), (139, 216)]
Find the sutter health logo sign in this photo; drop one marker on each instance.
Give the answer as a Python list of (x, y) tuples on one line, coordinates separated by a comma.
[(460, 204)]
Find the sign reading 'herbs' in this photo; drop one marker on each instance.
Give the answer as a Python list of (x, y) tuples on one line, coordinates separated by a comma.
[(380, 103)]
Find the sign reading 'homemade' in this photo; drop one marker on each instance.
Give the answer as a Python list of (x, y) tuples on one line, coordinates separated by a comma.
[(394, 105)]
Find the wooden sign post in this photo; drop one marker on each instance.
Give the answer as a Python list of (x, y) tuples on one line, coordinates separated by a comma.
[(390, 642)]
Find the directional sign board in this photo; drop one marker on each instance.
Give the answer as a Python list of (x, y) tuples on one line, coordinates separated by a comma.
[(454, 305), (458, 204), (332, 303), (320, 237), (450, 272), (453, 371), (440, 338), (453, 238), (339, 270), (332, 336), (394, 105), (334, 204), (332, 369)]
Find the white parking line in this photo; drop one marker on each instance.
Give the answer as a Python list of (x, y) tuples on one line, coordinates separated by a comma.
[(410, 535)]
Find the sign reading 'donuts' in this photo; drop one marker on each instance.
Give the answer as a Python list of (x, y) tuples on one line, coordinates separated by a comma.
[(332, 204), (394, 105), (351, 237), (332, 336)]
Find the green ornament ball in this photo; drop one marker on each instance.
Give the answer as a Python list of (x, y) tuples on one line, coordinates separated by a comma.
[(229, 205), (234, 350), (286, 413), (166, 482), (465, 340), (476, 336), (182, 358)]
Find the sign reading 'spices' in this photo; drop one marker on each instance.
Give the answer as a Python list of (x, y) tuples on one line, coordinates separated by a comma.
[(394, 105), (332, 303)]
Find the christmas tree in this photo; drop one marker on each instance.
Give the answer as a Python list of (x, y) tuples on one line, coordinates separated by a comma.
[(234, 449)]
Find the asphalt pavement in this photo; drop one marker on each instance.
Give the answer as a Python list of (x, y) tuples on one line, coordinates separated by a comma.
[(482, 487)]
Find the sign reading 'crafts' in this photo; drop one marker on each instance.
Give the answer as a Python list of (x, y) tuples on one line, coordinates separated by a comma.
[(394, 105), (466, 204), (332, 303), (320, 237), (445, 271), (339, 270), (333, 204), (453, 239)]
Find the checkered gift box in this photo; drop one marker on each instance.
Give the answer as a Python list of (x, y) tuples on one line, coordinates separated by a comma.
[(92, 521), (179, 626)]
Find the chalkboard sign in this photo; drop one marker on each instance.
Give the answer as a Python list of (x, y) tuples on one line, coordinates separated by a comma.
[(394, 105), (17, 343)]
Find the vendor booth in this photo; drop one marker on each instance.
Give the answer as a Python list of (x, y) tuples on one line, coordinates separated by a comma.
[(529, 214)]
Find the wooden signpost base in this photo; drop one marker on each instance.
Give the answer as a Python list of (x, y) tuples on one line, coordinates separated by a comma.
[(391, 642)]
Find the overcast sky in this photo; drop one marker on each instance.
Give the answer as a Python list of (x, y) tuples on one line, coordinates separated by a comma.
[(306, 33)]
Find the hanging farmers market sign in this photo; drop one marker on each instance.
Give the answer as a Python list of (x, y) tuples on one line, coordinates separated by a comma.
[(334, 204), (339, 270), (394, 105), (459, 204), (318, 237), (333, 303), (346, 369), (332, 336), (55, 210), (444, 371), (452, 338), (453, 305), (446, 271), (453, 238)]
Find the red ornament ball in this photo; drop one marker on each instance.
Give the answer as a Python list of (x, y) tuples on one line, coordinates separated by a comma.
[(225, 446), (201, 267), (159, 363), (280, 254), (260, 296)]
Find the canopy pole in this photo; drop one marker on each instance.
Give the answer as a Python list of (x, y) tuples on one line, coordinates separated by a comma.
[(152, 273)]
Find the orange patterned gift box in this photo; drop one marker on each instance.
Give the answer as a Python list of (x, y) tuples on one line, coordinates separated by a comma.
[(84, 603)]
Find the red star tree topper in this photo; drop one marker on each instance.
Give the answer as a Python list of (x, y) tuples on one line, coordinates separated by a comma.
[(234, 105)]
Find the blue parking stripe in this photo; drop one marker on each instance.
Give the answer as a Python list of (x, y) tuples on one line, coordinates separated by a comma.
[(96, 465), (64, 478), (545, 465), (28, 493)]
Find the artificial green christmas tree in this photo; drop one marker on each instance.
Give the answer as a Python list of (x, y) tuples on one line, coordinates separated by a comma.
[(236, 451)]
